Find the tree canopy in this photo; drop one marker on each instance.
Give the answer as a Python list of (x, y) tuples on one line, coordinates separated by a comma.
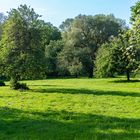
[(91, 32)]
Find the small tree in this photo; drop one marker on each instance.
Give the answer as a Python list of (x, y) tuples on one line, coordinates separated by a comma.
[(129, 59), (118, 56)]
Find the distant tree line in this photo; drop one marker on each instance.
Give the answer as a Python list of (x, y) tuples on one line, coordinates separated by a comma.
[(99, 46)]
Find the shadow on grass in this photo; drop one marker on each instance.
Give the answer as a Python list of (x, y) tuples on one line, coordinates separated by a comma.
[(125, 81), (44, 85), (86, 91), (7, 96), (4, 86), (19, 124)]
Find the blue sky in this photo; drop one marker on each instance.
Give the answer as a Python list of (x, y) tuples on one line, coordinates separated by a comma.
[(56, 11)]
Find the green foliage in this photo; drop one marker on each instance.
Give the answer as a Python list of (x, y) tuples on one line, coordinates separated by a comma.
[(121, 58), (103, 64), (135, 32), (117, 56), (65, 57), (75, 68), (73, 59), (51, 54), (135, 12), (91, 32), (48, 33)]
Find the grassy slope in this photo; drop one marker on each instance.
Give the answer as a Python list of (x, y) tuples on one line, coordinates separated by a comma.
[(71, 109)]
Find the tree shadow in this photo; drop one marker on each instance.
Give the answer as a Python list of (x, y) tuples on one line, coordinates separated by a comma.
[(6, 85), (9, 96), (125, 81), (61, 125), (85, 91), (44, 85)]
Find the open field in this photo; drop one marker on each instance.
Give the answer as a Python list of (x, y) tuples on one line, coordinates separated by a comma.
[(71, 109)]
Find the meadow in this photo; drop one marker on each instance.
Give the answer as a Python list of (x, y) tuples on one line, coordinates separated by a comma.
[(71, 109)]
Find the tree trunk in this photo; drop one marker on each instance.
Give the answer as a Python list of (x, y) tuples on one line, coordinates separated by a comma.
[(128, 75)]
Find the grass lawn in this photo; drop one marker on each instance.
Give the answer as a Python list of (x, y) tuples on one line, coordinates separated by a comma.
[(71, 109)]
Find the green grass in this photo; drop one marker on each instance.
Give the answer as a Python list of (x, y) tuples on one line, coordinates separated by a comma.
[(71, 109)]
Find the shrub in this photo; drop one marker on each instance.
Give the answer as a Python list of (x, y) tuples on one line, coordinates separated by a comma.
[(16, 85), (2, 83)]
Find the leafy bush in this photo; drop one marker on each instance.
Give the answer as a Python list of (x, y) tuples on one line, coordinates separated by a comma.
[(2, 83), (16, 85)]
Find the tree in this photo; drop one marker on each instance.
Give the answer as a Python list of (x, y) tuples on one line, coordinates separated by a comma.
[(91, 32), (135, 30), (119, 57), (21, 51), (128, 60)]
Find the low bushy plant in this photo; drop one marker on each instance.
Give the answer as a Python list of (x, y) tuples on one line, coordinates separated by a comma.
[(18, 86)]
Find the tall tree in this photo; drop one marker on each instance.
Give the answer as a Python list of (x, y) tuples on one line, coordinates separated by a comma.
[(21, 51), (135, 30)]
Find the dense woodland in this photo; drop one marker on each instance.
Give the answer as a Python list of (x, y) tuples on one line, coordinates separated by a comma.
[(87, 45)]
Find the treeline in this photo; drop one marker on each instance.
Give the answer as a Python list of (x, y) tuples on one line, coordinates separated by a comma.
[(99, 46)]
